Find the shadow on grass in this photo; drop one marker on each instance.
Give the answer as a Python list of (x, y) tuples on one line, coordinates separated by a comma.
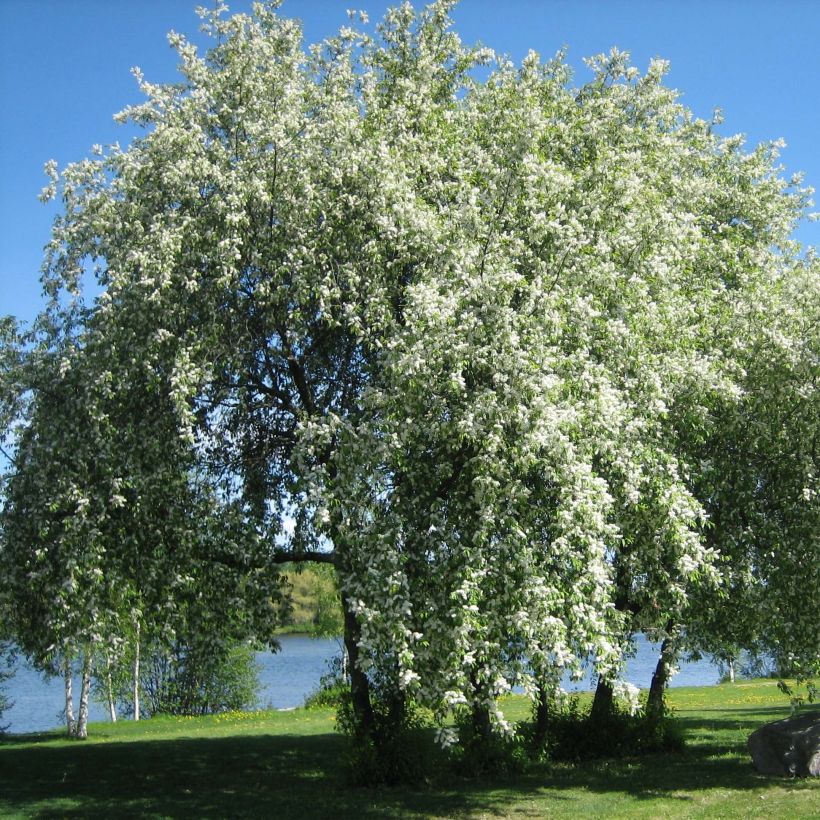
[(29, 739), (303, 776), (244, 776), (721, 721)]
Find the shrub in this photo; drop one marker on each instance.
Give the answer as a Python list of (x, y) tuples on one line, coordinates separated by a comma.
[(399, 749), (480, 755), (332, 688), (199, 678), (574, 735)]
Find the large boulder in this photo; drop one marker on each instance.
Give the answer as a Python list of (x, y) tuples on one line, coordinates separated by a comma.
[(789, 747)]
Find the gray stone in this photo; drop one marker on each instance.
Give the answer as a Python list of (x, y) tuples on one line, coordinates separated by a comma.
[(789, 747)]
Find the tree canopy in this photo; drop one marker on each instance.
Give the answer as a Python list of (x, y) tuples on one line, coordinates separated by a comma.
[(533, 365)]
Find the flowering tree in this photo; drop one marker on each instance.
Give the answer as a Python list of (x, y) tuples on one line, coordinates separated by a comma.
[(109, 537), (468, 336), (757, 472)]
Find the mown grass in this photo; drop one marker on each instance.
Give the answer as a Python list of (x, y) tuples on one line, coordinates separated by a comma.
[(292, 764)]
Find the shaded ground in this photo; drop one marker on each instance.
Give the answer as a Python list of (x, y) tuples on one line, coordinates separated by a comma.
[(292, 766)]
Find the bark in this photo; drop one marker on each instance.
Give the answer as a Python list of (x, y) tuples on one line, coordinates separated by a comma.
[(109, 690), (542, 717), (482, 727), (82, 716), (69, 697), (731, 669), (602, 702), (655, 707), (136, 672), (359, 684), (481, 722)]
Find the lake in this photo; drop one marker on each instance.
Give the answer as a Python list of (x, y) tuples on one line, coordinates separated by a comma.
[(286, 678)]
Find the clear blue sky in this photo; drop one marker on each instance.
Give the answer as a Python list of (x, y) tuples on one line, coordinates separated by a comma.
[(65, 70)]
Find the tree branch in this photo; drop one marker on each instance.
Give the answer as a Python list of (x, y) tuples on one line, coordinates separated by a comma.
[(308, 556)]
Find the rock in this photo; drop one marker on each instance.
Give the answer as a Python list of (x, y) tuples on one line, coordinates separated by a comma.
[(789, 747)]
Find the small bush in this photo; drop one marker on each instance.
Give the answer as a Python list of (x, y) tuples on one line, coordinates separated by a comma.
[(403, 758), (398, 750), (574, 735), (492, 755), (332, 688), (199, 678)]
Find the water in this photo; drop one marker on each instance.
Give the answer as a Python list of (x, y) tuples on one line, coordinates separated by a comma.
[(285, 679), (639, 669), (291, 674)]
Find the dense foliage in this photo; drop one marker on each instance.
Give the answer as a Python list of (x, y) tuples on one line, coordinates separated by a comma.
[(193, 679), (533, 366)]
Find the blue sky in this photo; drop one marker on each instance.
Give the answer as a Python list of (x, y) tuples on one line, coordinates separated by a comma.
[(65, 70)]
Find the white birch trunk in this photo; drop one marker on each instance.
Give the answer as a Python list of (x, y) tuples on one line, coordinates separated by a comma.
[(137, 673), (731, 665), (69, 697), (112, 709), (82, 717)]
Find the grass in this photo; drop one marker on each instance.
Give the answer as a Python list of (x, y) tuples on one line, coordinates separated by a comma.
[(291, 764)]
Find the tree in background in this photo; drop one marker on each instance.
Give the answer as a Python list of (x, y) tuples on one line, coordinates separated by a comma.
[(7, 656), (314, 601)]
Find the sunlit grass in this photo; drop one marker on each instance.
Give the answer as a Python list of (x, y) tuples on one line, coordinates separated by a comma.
[(292, 764)]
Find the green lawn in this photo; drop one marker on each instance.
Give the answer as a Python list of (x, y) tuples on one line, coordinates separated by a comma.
[(290, 764)]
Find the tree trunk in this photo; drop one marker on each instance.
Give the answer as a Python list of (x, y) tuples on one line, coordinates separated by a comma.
[(655, 704), (481, 722), (542, 717), (345, 663), (482, 726), (109, 687), (602, 702), (730, 663), (359, 684), (136, 672), (69, 697), (82, 717)]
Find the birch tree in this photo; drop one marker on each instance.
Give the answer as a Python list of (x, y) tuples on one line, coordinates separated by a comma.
[(109, 536)]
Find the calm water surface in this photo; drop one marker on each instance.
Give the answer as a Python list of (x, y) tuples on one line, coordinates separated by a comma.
[(286, 678)]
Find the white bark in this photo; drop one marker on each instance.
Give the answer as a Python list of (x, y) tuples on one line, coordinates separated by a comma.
[(69, 696), (112, 708), (82, 717), (137, 672)]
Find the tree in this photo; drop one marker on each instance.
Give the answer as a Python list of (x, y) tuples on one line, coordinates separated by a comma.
[(7, 657), (471, 335), (109, 534), (314, 597), (757, 472), (62, 601)]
